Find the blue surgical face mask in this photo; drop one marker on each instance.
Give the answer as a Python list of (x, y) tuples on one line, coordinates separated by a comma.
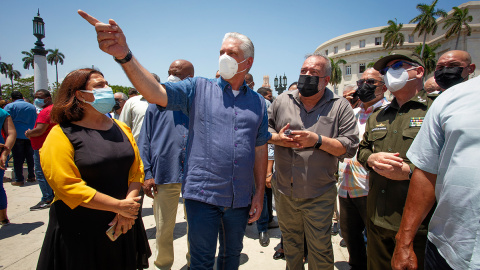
[(39, 103), (104, 100)]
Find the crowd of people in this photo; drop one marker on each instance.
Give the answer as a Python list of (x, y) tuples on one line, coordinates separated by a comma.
[(403, 171)]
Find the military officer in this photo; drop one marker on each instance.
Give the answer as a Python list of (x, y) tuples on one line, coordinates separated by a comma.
[(388, 134)]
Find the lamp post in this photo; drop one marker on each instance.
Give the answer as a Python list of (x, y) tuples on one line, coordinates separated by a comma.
[(280, 83), (40, 80)]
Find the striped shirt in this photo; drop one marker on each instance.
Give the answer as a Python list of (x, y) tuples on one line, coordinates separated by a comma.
[(354, 180)]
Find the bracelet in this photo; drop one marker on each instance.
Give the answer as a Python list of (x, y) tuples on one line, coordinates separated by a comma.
[(269, 175), (124, 60)]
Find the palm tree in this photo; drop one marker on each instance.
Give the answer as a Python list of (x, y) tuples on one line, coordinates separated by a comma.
[(428, 57), (11, 73), (336, 77), (55, 57), (393, 36), (459, 19), (28, 59), (3, 70), (426, 22)]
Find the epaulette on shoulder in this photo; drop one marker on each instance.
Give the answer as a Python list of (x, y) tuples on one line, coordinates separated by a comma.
[(381, 107)]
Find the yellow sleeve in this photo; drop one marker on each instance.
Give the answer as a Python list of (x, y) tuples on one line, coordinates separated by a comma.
[(136, 173), (57, 160)]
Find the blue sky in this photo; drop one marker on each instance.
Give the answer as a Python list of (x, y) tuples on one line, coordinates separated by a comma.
[(158, 32)]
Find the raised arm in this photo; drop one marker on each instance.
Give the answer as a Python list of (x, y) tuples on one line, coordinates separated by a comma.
[(112, 40)]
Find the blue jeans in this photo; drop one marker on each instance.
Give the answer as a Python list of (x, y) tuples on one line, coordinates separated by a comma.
[(262, 222), (21, 151), (205, 223), (3, 194), (47, 192)]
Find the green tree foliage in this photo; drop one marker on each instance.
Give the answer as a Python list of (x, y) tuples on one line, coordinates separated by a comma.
[(28, 59), (426, 21), (428, 57), (11, 73), (336, 77), (455, 24), (119, 88), (24, 85), (55, 57), (3, 71), (393, 36)]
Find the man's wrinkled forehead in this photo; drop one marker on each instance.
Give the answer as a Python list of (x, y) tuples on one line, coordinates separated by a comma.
[(454, 59)]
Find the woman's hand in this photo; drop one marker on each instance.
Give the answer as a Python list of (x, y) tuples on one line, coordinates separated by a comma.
[(129, 207)]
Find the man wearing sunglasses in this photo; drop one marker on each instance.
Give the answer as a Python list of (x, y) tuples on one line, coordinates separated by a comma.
[(353, 189), (389, 132)]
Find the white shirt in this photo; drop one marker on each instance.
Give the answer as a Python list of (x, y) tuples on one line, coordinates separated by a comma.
[(132, 114), (448, 145)]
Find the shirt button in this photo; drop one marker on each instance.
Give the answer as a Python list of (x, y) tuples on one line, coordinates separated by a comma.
[(383, 190), (235, 145), (236, 113), (236, 128), (235, 162), (395, 131)]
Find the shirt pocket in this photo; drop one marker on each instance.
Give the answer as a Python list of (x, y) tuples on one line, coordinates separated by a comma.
[(409, 135), (325, 126), (377, 139)]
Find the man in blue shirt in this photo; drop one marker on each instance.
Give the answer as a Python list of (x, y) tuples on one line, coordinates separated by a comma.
[(162, 143), (24, 116), (227, 143)]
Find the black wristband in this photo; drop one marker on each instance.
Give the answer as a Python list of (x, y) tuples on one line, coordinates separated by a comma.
[(124, 60), (318, 143)]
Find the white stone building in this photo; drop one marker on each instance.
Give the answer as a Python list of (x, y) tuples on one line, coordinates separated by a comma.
[(364, 46)]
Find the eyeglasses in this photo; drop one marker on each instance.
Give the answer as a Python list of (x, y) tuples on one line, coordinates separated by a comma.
[(395, 66), (368, 81)]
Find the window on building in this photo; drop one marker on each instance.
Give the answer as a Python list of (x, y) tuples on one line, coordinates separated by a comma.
[(378, 41), (411, 39), (348, 70), (361, 68), (326, 52), (348, 46), (362, 43), (335, 49)]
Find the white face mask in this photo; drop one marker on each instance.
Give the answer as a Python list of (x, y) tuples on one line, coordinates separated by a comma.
[(228, 66), (172, 78), (396, 79)]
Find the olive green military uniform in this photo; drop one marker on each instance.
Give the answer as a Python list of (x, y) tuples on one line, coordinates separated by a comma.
[(391, 129)]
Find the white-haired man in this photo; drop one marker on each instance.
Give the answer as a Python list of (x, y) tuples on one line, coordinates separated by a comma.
[(226, 149)]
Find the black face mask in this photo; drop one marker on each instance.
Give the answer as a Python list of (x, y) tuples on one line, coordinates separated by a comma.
[(449, 76), (117, 105), (366, 92), (308, 85)]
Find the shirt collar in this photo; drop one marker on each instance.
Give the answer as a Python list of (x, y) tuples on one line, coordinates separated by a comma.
[(372, 108), (225, 85), (420, 97), (327, 96)]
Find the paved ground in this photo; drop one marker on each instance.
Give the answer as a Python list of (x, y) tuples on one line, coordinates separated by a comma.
[(20, 242)]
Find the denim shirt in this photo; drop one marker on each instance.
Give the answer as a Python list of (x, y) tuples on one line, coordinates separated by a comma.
[(162, 143), (223, 133)]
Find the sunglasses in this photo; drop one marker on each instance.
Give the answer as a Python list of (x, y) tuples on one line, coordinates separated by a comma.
[(368, 81), (395, 66)]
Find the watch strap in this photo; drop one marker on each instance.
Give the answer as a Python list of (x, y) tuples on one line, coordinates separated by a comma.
[(124, 60), (318, 143)]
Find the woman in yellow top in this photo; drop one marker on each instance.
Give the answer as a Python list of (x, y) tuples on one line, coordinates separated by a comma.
[(93, 165)]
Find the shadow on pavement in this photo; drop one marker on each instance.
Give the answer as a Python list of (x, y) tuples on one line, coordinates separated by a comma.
[(15, 229), (179, 231)]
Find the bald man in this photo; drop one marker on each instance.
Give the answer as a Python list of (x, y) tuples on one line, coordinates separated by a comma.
[(162, 144), (432, 87), (453, 67)]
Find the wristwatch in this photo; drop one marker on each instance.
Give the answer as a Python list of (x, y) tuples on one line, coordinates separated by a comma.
[(124, 60), (318, 143)]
